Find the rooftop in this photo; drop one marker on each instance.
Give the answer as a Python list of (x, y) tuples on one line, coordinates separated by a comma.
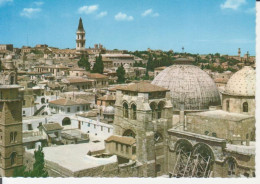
[(77, 154), (52, 126), (220, 114), (121, 139), (67, 102), (142, 87)]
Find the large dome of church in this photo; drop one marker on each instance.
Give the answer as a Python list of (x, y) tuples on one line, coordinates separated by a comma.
[(242, 83), (189, 85)]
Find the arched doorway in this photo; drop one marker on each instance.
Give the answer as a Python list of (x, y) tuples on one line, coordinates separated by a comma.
[(66, 121), (43, 100)]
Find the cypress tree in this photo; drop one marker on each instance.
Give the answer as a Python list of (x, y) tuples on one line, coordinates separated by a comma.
[(98, 66), (120, 74)]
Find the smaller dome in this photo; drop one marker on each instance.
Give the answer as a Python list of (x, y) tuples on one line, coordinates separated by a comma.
[(242, 83), (109, 110)]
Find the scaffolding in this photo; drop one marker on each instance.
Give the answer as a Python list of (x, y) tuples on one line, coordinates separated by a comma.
[(193, 164)]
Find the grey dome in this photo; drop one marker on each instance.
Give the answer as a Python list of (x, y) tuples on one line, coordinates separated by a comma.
[(109, 110), (242, 83), (189, 85)]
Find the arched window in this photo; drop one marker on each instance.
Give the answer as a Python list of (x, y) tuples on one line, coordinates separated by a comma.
[(13, 158), (158, 137), (129, 133), (245, 107), (133, 111), (66, 121), (160, 109), (231, 167), (214, 134), (125, 110), (227, 105), (153, 108), (15, 135), (11, 137)]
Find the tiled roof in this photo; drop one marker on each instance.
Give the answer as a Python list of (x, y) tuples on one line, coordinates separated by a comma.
[(96, 76), (142, 87), (107, 97), (77, 80), (52, 126), (67, 102), (121, 139)]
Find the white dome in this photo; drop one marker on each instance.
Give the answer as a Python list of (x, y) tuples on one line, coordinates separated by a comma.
[(189, 85), (109, 110), (242, 83)]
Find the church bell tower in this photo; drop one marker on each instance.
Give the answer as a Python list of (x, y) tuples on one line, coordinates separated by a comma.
[(80, 39)]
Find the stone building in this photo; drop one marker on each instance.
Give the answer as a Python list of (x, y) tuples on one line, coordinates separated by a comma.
[(143, 111), (239, 94), (11, 150)]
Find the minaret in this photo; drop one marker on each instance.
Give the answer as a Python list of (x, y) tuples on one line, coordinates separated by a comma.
[(80, 39), (11, 148)]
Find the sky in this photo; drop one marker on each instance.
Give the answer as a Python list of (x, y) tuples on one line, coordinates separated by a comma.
[(200, 26)]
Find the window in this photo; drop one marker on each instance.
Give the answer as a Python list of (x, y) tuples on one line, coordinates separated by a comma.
[(88, 124), (122, 148), (245, 107), (11, 137), (94, 126), (23, 102), (78, 108), (227, 105), (68, 109), (15, 135), (133, 150), (214, 134), (153, 108), (1, 135), (125, 110), (101, 128), (231, 167), (23, 112), (133, 111), (29, 126), (108, 130), (13, 158), (160, 109), (158, 167), (116, 146), (127, 149)]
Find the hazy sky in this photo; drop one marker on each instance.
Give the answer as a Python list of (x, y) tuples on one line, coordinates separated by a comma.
[(201, 26)]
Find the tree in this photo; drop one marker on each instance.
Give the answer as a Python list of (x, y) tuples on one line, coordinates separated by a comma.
[(84, 63), (98, 66), (38, 167), (120, 72), (0, 65)]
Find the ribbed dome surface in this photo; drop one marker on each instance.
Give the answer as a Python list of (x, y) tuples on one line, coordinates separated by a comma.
[(189, 85), (242, 83)]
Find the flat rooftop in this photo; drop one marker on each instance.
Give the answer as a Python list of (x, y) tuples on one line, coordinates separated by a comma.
[(74, 156), (220, 114)]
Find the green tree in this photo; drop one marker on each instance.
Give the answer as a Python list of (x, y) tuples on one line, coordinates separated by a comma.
[(0, 65), (84, 63), (120, 72), (38, 167), (98, 66)]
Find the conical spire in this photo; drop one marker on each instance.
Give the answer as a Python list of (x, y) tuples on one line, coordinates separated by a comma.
[(80, 27)]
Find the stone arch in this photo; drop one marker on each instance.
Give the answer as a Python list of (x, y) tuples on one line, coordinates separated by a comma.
[(153, 106), (66, 121), (245, 107), (232, 165), (133, 109), (125, 109), (129, 133), (184, 145), (203, 156), (161, 105)]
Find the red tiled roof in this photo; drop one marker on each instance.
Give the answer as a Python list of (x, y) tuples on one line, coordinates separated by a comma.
[(121, 139)]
